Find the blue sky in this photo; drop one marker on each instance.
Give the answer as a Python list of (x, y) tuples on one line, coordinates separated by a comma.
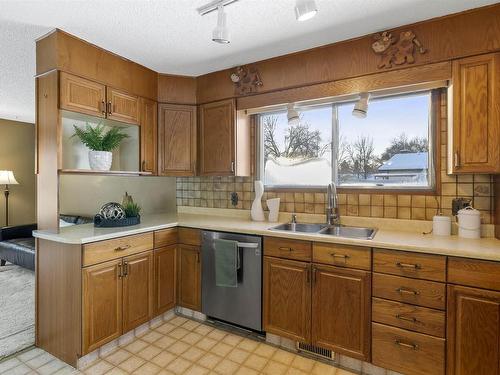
[(386, 119)]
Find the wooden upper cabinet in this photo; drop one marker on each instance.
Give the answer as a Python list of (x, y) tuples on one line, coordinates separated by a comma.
[(81, 95), (473, 331), (287, 298), (164, 279), (122, 106), (102, 304), (217, 138), (189, 277), (475, 131), (341, 304), (177, 140), (137, 290), (149, 130)]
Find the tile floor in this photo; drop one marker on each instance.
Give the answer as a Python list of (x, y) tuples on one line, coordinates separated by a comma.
[(179, 346)]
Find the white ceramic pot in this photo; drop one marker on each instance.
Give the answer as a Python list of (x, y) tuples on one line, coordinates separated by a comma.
[(274, 209), (100, 160)]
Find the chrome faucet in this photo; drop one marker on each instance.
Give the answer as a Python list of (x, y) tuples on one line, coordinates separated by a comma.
[(332, 210), (293, 222)]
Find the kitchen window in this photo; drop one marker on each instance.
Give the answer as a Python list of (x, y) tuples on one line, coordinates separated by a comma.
[(390, 149)]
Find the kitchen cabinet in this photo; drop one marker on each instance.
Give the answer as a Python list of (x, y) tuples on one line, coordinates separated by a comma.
[(189, 277), (81, 95), (346, 292), (117, 297), (122, 106), (287, 298), (164, 279), (149, 130), (177, 140), (473, 331), (474, 134), (225, 146), (102, 304), (137, 271)]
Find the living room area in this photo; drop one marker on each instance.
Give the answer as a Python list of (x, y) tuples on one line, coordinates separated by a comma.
[(17, 246)]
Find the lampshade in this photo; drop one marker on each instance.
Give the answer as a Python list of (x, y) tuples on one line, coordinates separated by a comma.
[(7, 178)]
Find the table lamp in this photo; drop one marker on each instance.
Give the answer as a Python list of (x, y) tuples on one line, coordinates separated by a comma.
[(7, 178)]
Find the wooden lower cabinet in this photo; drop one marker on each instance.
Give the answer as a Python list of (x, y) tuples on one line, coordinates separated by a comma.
[(137, 290), (189, 277), (341, 310), (287, 298), (102, 304), (164, 279), (117, 297), (473, 331)]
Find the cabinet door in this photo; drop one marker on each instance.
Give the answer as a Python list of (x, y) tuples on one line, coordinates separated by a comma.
[(189, 277), (122, 106), (287, 298), (102, 304), (137, 290), (81, 95), (341, 310), (164, 279), (473, 331), (149, 130), (217, 138), (475, 134), (177, 140)]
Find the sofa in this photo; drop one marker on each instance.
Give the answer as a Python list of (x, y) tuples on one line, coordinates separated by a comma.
[(17, 244)]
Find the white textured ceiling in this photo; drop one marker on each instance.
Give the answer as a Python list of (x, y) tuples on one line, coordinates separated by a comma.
[(169, 36)]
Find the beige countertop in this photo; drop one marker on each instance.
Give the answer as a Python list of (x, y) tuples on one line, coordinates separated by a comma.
[(484, 248)]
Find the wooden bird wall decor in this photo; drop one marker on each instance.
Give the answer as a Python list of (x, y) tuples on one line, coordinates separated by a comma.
[(246, 80), (397, 51)]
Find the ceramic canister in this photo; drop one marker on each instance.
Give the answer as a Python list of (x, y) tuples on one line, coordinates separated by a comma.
[(469, 223), (441, 225)]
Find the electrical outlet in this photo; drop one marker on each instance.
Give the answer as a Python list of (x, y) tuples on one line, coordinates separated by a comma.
[(234, 199), (458, 203)]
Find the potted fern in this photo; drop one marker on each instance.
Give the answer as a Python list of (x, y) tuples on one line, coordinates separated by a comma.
[(100, 144)]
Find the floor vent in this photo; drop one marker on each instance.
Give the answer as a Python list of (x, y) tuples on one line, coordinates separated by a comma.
[(316, 351)]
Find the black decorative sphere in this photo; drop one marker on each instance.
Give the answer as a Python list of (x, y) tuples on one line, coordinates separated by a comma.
[(112, 211)]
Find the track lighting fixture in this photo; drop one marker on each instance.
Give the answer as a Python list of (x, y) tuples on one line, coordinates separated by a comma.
[(292, 115), (305, 9), (221, 32), (361, 107)]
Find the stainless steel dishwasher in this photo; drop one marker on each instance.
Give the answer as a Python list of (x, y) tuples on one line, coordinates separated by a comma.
[(240, 305)]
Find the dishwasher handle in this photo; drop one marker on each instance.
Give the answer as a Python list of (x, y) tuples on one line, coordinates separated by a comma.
[(247, 245)]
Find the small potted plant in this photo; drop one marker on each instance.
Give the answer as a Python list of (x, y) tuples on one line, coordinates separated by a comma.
[(100, 143), (132, 212)]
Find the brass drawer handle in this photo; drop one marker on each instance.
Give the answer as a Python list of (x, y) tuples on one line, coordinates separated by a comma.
[(415, 266), (286, 249), (410, 319), (122, 248), (406, 345), (402, 290), (120, 273), (341, 256)]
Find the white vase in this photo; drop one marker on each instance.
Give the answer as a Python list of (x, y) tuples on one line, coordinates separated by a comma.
[(274, 209), (257, 212), (100, 160)]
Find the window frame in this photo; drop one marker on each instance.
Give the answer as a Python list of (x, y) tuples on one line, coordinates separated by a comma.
[(434, 157)]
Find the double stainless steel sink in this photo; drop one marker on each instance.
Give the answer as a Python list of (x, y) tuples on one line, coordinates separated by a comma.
[(360, 233)]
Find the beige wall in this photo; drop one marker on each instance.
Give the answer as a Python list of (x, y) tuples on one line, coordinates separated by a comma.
[(84, 195), (17, 153)]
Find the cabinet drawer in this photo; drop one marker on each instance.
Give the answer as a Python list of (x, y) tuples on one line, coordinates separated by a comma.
[(414, 318), (342, 255), (477, 273), (165, 237), (97, 252), (419, 266), (407, 352), (417, 292), (189, 236), (290, 249)]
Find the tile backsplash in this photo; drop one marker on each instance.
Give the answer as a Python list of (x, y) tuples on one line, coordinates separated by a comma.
[(215, 192)]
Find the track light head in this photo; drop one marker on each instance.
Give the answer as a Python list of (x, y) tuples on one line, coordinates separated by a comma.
[(221, 32), (292, 115), (305, 10), (361, 107)]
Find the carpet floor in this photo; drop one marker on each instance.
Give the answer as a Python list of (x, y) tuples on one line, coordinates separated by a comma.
[(17, 309)]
